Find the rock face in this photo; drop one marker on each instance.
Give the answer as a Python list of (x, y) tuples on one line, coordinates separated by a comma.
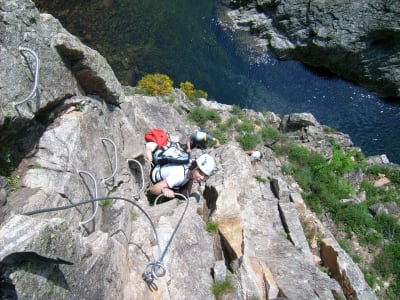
[(357, 40), (37, 49), (103, 239)]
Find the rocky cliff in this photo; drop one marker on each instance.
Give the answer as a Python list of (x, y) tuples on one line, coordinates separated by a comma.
[(357, 40), (80, 224)]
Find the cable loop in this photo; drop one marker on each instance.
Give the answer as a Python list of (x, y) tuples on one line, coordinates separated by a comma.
[(36, 78), (106, 179), (116, 159), (153, 270), (95, 196), (137, 196)]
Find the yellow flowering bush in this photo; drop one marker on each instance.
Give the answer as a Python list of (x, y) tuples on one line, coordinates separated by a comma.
[(188, 88), (157, 84)]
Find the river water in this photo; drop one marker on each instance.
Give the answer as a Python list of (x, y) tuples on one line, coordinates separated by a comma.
[(184, 39)]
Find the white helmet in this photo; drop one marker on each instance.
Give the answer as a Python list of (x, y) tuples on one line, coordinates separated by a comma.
[(256, 155), (200, 136), (206, 164)]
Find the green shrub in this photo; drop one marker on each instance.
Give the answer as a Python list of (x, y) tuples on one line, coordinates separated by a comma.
[(369, 277), (387, 226), (236, 110), (392, 174), (248, 141), (219, 288), (269, 133), (7, 168), (13, 182), (211, 227), (37, 165), (341, 162), (139, 91), (393, 291), (356, 217), (260, 179), (105, 203), (324, 186), (377, 195), (321, 182), (168, 98), (157, 84), (219, 135), (200, 116), (6, 162), (345, 245), (245, 126), (80, 106), (228, 124), (388, 261)]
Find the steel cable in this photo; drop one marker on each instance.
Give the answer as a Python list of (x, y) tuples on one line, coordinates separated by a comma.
[(36, 79), (153, 270), (95, 196)]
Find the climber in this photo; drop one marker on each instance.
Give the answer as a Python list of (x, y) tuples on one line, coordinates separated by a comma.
[(171, 177), (255, 156), (199, 139)]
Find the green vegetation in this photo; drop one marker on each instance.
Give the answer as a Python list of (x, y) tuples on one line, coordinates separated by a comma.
[(269, 133), (200, 116), (249, 132), (324, 186), (7, 168), (260, 179), (219, 135), (392, 174), (36, 165), (80, 106), (245, 126), (46, 117), (134, 215), (248, 141), (211, 227), (51, 117), (220, 288), (236, 110), (13, 182), (6, 162), (157, 84), (223, 127), (105, 203), (322, 182), (169, 98)]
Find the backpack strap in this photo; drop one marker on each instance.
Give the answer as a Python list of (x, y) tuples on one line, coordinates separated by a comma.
[(157, 174)]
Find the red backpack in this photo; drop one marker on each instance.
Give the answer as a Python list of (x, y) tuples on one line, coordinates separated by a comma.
[(158, 136)]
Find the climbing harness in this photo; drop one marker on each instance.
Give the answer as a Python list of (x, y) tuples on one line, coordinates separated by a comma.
[(36, 76), (153, 270)]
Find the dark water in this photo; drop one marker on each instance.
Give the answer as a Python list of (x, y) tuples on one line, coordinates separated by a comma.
[(184, 39)]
